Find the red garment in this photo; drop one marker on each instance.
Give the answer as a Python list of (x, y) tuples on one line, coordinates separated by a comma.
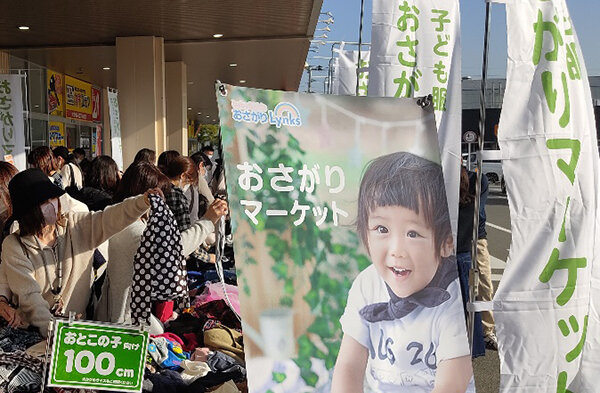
[(191, 342), (220, 311), (171, 337), (164, 310)]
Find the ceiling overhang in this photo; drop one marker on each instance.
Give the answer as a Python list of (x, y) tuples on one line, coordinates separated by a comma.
[(267, 39)]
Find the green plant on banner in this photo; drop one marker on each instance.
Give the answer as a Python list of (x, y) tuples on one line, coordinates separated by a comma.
[(330, 251), (208, 134)]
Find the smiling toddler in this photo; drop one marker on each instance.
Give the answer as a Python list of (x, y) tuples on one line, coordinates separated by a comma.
[(404, 327)]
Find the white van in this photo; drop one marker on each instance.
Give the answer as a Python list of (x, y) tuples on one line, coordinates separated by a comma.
[(491, 168)]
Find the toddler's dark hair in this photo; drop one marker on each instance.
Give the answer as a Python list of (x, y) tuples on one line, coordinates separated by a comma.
[(404, 179)]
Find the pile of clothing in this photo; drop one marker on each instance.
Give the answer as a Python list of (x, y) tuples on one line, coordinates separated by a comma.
[(202, 349)]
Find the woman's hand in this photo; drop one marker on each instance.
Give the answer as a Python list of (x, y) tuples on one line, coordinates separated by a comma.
[(154, 191), (216, 210), (9, 314)]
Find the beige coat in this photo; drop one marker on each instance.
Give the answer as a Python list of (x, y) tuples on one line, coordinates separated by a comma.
[(82, 233), (116, 293)]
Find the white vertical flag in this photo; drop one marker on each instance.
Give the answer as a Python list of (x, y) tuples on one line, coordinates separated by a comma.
[(546, 307), (345, 75), (12, 127), (115, 127), (415, 51)]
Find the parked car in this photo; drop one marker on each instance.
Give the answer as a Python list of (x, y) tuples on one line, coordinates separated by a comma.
[(491, 168)]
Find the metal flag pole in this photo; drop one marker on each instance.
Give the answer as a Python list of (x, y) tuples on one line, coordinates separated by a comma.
[(360, 29), (474, 272)]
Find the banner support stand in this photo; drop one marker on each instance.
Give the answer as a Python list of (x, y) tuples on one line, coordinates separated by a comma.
[(474, 271), (360, 29)]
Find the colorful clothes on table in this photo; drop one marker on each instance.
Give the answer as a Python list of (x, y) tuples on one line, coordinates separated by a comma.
[(220, 311), (225, 340)]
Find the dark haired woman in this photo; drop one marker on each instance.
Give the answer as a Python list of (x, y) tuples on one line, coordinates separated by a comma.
[(123, 246), (48, 263), (41, 157), (147, 155), (79, 158), (71, 174), (102, 179), (165, 158), (183, 174)]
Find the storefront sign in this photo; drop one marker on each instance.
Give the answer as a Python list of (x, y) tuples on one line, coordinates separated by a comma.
[(97, 356), (12, 134), (96, 104), (56, 93), (57, 134), (115, 127), (78, 97)]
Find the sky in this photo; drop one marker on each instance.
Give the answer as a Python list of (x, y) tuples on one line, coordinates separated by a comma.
[(346, 14)]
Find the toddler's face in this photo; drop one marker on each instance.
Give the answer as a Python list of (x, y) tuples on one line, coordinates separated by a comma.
[(402, 248)]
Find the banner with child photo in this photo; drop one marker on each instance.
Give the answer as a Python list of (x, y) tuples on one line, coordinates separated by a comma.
[(343, 244)]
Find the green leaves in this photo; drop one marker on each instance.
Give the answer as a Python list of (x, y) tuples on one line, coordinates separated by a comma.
[(279, 377), (328, 254), (321, 327), (278, 246), (280, 270)]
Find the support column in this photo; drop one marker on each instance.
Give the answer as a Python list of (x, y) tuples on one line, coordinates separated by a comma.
[(176, 89), (141, 85), (4, 62)]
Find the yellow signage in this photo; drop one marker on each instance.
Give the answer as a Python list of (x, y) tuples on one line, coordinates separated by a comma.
[(78, 99), (57, 134), (56, 93)]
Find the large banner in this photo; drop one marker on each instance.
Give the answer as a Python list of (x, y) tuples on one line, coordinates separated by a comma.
[(344, 79), (415, 51), (546, 307), (78, 97), (342, 237), (12, 126), (115, 127)]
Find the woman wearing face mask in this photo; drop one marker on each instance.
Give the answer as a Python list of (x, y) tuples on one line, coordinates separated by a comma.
[(183, 174), (48, 263)]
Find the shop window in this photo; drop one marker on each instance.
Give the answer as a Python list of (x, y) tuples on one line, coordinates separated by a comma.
[(37, 89), (39, 133)]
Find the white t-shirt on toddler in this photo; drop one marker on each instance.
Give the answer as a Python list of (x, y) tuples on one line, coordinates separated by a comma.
[(404, 353)]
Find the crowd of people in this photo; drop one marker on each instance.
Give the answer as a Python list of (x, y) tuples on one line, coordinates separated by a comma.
[(75, 239)]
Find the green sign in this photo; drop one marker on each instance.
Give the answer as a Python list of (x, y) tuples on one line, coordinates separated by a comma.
[(97, 356)]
